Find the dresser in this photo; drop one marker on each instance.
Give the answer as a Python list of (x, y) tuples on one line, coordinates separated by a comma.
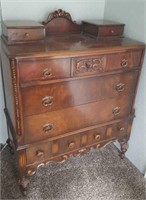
[(68, 88)]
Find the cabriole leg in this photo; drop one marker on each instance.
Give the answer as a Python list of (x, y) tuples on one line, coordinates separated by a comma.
[(124, 148)]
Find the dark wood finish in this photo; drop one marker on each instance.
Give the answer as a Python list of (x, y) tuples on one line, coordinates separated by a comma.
[(70, 92), (22, 31), (102, 28), (50, 97)]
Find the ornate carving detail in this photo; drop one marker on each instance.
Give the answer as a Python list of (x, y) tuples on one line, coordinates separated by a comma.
[(90, 65), (15, 89), (56, 14)]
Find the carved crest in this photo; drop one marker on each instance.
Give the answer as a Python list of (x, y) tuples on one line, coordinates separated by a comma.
[(56, 14)]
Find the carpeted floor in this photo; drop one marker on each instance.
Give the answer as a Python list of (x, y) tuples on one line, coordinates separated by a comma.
[(98, 175)]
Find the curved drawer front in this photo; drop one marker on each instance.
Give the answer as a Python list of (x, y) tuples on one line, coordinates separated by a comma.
[(84, 66), (78, 142), (54, 123), (44, 70), (50, 97)]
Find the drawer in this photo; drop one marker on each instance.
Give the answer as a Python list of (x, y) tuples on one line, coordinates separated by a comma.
[(85, 66), (103, 28), (50, 97), (26, 34), (109, 30), (80, 141), (38, 127), (56, 147), (44, 70), (123, 61)]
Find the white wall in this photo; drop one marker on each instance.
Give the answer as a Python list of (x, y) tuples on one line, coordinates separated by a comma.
[(38, 10), (133, 14)]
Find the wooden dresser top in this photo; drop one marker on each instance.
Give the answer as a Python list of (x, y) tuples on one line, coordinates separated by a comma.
[(70, 45)]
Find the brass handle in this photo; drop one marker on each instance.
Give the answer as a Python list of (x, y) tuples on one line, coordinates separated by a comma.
[(26, 35), (116, 110), (71, 145), (124, 63), (112, 31), (120, 87), (47, 73), (97, 137), (47, 127), (39, 153), (47, 101)]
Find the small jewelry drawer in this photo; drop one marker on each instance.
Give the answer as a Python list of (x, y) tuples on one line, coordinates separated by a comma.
[(44, 70)]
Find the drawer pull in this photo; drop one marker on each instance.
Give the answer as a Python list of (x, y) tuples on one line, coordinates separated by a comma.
[(120, 87), (26, 35), (97, 137), (124, 63), (47, 73), (71, 145), (39, 153), (116, 110), (112, 31), (47, 101), (47, 127)]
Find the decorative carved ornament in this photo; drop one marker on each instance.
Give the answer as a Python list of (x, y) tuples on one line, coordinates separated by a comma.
[(56, 14), (15, 89), (90, 65)]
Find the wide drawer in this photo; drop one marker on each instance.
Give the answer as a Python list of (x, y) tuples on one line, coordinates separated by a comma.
[(50, 97), (83, 66), (79, 141), (44, 70), (38, 127)]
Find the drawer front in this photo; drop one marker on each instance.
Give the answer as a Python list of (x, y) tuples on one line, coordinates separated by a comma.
[(44, 70), (80, 141), (85, 66), (54, 123), (123, 61), (47, 150), (26, 34), (110, 30), (50, 97)]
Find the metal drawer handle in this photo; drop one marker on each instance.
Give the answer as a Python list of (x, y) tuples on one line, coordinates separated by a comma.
[(112, 31), (39, 153), (116, 110), (47, 73), (71, 145), (97, 137), (47, 101), (120, 87), (47, 127), (98, 146), (26, 35), (124, 63)]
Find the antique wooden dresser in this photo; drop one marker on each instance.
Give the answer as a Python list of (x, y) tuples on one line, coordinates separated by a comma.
[(68, 87)]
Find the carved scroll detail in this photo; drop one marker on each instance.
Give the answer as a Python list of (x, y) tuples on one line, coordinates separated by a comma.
[(90, 65), (56, 14), (15, 89)]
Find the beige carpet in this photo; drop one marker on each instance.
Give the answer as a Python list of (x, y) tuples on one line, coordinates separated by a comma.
[(98, 175)]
